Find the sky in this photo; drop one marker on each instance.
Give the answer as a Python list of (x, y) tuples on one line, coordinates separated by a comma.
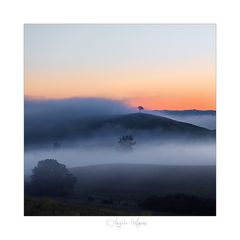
[(158, 66)]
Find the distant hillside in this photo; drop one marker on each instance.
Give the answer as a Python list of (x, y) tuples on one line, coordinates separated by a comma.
[(148, 122), (202, 118), (192, 112), (136, 123), (145, 121)]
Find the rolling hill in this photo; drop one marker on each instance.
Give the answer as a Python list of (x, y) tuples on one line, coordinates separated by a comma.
[(143, 122), (135, 123)]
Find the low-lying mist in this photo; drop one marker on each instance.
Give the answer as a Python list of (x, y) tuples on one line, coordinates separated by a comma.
[(85, 132), (174, 153)]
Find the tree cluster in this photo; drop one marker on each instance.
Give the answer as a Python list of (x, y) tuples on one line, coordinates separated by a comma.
[(126, 142), (51, 178)]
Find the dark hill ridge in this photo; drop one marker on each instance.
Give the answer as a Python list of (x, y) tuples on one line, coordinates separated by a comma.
[(149, 121), (145, 122), (201, 118), (135, 123)]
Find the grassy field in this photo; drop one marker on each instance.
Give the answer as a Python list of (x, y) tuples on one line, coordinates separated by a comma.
[(59, 207), (137, 181)]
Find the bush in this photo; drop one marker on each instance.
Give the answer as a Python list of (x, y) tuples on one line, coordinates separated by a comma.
[(181, 204)]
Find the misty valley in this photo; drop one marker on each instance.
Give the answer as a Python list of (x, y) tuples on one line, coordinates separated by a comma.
[(100, 157)]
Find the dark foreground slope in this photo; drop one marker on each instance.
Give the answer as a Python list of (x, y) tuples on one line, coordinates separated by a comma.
[(134, 190), (34, 206)]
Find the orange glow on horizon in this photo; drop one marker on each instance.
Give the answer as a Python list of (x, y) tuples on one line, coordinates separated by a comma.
[(169, 104), (179, 87)]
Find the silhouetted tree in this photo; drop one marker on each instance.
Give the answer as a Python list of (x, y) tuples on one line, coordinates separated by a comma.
[(140, 108), (51, 178), (126, 142)]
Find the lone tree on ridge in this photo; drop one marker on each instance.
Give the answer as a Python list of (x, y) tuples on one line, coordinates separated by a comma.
[(140, 108)]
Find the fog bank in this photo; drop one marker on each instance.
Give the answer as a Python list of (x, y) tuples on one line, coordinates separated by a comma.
[(164, 154)]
